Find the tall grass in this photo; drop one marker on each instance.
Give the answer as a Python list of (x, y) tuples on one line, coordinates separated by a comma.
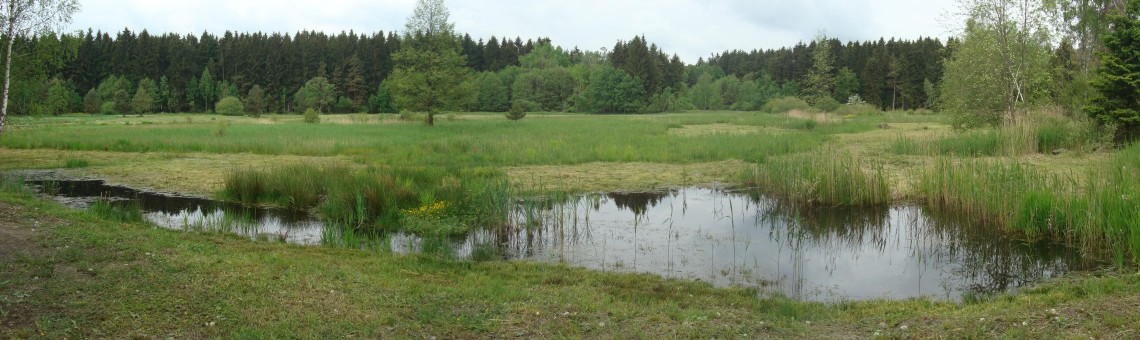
[(117, 211), (827, 179), (420, 200), (1099, 213)]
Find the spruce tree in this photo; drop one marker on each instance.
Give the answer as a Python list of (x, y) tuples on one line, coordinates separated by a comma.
[(1117, 82)]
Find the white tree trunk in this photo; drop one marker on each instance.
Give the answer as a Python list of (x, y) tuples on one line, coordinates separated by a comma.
[(8, 63)]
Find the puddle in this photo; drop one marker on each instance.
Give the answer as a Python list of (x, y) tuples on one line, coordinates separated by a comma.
[(190, 213), (723, 237)]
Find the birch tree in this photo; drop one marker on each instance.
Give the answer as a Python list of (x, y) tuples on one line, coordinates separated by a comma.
[(24, 17)]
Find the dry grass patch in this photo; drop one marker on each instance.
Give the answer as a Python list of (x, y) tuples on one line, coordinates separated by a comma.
[(719, 129), (600, 177)]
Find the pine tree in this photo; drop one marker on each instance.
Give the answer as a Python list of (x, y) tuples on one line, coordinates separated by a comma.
[(1117, 81)]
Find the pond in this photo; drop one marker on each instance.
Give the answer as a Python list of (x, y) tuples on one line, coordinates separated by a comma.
[(725, 237)]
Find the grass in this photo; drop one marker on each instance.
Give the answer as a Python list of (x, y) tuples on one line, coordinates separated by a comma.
[(1098, 213), (824, 179), (419, 200)]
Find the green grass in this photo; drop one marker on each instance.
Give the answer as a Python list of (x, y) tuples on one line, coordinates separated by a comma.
[(823, 179), (424, 201), (1098, 212)]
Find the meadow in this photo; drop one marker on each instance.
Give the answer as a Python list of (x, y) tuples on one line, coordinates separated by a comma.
[(1047, 178)]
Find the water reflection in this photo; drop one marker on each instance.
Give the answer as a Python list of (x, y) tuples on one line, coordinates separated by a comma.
[(732, 239), (726, 238)]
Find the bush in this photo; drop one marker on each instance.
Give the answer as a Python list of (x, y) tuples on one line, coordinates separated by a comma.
[(856, 110), (526, 105), (516, 112), (827, 104), (312, 117), (785, 104), (108, 108), (230, 106)]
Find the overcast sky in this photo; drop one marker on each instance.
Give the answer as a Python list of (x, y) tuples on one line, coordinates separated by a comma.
[(689, 28)]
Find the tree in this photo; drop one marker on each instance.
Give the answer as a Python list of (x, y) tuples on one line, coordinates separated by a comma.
[(846, 84), (612, 90), (381, 102), (1117, 81), (255, 101), (430, 74), (317, 94), (59, 98), (230, 106), (819, 83), (516, 112), (142, 101), (207, 90), (23, 17), (993, 75)]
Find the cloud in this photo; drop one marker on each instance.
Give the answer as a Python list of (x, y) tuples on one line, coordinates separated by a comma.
[(690, 28)]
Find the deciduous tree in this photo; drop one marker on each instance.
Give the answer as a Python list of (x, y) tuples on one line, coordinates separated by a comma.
[(24, 17), (430, 74)]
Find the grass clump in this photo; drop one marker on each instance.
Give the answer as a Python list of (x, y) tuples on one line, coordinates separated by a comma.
[(117, 211), (1101, 214), (417, 200), (822, 180), (785, 104), (76, 163)]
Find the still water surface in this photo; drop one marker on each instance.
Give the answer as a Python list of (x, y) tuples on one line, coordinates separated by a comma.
[(728, 238)]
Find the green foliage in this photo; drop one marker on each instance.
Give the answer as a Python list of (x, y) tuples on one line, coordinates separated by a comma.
[(430, 73), (255, 101), (494, 95), (612, 90), (785, 104), (381, 102), (998, 70), (819, 83), (317, 94), (421, 201), (59, 98), (822, 180), (107, 108), (142, 101), (846, 84), (550, 87), (827, 104), (1117, 81), (312, 117), (230, 106), (517, 111)]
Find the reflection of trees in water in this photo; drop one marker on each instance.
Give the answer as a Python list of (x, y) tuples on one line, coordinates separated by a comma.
[(637, 202), (977, 257), (989, 262)]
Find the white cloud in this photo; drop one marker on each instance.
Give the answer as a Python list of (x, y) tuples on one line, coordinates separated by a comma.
[(690, 28)]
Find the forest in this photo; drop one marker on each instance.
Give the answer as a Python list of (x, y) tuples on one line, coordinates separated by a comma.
[(130, 72)]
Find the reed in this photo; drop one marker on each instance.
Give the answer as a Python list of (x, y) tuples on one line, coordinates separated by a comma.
[(827, 179)]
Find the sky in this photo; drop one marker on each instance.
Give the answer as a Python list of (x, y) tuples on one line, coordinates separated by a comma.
[(690, 28)]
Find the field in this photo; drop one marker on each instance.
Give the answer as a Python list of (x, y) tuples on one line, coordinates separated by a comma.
[(1047, 178)]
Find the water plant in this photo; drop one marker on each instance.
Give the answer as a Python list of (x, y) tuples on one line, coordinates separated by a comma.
[(823, 179)]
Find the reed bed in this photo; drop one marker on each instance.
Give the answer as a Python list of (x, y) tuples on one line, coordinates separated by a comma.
[(1097, 211), (826, 179)]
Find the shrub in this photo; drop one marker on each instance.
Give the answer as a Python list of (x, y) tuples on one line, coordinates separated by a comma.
[(230, 106), (856, 109), (827, 104), (785, 104), (516, 112), (526, 105), (108, 108), (312, 117)]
